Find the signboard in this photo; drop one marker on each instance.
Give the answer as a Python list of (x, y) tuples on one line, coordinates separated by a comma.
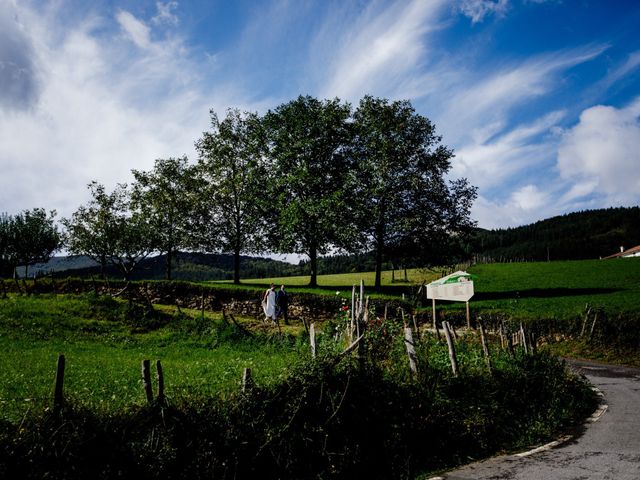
[(457, 287)]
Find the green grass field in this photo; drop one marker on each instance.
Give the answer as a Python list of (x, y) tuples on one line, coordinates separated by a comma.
[(347, 280), (103, 357), (523, 290), (558, 289)]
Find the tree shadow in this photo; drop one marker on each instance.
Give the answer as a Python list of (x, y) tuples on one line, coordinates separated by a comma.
[(543, 293)]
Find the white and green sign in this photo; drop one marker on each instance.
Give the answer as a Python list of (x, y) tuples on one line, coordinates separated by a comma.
[(457, 287)]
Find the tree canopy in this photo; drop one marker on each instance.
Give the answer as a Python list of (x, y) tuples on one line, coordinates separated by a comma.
[(308, 143), (27, 238), (405, 206), (166, 196), (109, 231), (233, 173)]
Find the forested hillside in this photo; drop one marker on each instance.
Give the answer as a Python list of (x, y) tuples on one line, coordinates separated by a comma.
[(580, 235), (187, 266)]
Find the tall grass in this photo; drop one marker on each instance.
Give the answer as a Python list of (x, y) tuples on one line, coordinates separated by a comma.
[(200, 356)]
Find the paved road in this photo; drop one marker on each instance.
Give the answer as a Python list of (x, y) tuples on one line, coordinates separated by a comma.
[(608, 448)]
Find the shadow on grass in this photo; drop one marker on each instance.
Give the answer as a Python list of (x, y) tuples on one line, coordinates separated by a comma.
[(544, 293), (395, 290)]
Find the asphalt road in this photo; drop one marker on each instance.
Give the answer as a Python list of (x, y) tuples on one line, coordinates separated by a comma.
[(607, 448)]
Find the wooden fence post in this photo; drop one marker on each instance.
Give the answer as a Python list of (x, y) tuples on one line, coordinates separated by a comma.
[(411, 351), (247, 382), (468, 316), (593, 325), (58, 397), (587, 313), (146, 381), (452, 350), (510, 343), (523, 338), (160, 379), (202, 303), (312, 339), (485, 346), (433, 312)]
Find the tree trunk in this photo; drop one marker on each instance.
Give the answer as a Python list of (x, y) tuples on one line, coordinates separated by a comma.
[(236, 265), (168, 266), (379, 248), (313, 261)]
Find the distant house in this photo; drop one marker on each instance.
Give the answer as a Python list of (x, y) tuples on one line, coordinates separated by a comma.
[(631, 252)]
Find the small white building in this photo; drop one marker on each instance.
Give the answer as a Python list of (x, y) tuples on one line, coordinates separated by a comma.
[(628, 253)]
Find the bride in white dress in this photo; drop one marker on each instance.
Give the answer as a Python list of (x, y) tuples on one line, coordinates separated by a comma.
[(269, 303)]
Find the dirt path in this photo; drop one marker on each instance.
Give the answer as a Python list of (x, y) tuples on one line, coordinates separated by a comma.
[(608, 448)]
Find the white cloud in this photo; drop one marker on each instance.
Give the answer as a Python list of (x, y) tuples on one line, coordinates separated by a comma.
[(137, 31), (525, 205), (602, 154), (477, 10), (492, 162), (529, 198), (165, 13), (104, 108), (379, 53)]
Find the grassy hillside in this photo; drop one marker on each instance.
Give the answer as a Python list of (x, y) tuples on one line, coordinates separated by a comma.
[(558, 289), (581, 235)]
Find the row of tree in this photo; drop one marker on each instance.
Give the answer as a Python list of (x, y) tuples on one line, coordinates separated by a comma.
[(309, 177), (27, 238)]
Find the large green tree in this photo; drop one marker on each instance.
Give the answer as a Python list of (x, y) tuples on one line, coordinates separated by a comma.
[(91, 229), (109, 231), (166, 197), (35, 237), (307, 140), (232, 168), (404, 201)]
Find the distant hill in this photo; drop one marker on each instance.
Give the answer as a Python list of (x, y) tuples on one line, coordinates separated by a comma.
[(188, 266), (574, 236)]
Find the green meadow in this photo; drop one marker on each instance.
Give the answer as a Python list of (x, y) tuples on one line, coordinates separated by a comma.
[(103, 354), (558, 289), (347, 280)]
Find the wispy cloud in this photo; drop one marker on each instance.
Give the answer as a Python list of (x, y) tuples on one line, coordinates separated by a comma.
[(136, 30), (381, 52), (477, 10), (630, 65), (477, 100), (496, 161), (165, 13)]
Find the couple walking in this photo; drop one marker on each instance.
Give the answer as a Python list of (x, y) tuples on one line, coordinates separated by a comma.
[(275, 304)]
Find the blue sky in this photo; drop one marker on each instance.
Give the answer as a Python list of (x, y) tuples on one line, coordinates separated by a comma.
[(539, 99)]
